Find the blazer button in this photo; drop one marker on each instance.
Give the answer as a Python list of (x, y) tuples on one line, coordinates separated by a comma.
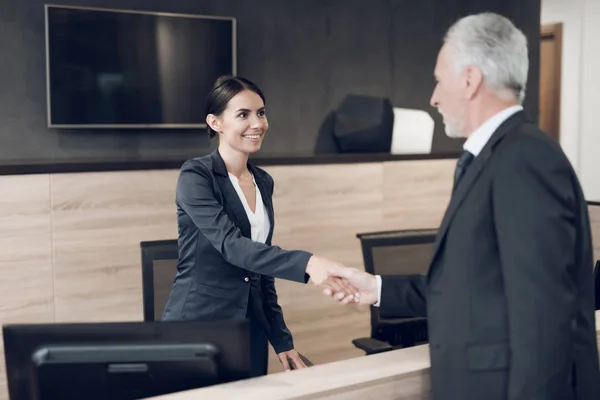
[(246, 279)]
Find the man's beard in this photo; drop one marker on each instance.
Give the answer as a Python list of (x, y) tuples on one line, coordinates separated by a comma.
[(452, 128), (452, 131)]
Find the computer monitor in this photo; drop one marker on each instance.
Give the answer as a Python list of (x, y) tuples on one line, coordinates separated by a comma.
[(128, 360)]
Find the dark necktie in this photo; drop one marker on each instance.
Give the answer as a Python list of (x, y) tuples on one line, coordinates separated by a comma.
[(461, 166)]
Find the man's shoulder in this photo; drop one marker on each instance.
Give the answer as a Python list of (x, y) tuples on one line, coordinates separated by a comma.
[(528, 134), (527, 143)]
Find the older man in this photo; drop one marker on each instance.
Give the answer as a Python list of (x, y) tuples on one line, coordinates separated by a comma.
[(508, 296)]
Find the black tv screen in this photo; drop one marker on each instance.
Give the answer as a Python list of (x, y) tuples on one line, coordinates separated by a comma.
[(130, 69)]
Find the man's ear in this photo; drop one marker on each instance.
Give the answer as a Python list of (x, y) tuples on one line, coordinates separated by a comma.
[(213, 122), (473, 79)]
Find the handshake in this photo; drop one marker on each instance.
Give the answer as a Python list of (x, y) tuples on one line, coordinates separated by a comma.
[(346, 285)]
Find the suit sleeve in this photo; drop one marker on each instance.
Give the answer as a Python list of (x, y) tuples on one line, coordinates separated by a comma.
[(279, 336), (403, 296), (195, 196), (535, 217)]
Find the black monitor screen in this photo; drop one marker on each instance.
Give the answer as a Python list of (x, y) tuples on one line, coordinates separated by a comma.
[(121, 69)]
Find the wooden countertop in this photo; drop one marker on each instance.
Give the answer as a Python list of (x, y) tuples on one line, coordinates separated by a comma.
[(400, 371), (399, 374)]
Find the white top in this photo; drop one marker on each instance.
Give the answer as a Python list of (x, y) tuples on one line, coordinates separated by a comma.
[(259, 220)]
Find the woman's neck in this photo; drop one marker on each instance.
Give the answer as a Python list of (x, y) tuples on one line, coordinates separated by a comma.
[(236, 162)]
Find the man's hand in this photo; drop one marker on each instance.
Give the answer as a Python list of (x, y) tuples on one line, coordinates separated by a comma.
[(364, 283), (318, 268), (291, 359)]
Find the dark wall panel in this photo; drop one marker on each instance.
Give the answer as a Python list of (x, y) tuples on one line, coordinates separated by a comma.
[(306, 55)]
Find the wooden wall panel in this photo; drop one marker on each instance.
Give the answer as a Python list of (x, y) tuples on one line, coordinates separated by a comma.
[(416, 194), (99, 221), (26, 279), (321, 208)]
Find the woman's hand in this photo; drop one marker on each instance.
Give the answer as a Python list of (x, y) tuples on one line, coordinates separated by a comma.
[(323, 272), (291, 359)]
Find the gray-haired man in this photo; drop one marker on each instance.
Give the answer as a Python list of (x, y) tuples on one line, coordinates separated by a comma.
[(508, 296)]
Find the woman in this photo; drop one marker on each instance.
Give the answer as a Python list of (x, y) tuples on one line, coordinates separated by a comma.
[(225, 217)]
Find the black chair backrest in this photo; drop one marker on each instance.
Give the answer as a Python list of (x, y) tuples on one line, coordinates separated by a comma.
[(159, 267), (398, 253)]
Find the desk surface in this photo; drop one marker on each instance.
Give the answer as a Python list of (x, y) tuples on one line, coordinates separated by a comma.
[(327, 379), (396, 374)]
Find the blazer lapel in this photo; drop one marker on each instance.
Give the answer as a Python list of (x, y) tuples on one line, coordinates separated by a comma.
[(232, 200), (265, 194), (470, 178)]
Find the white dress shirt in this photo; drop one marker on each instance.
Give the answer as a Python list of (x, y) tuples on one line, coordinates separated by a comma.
[(474, 144), (259, 219)]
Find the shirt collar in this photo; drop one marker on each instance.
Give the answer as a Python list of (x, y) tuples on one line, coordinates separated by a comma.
[(475, 143)]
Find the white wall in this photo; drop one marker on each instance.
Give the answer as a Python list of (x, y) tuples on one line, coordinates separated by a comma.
[(569, 13), (589, 142), (580, 88)]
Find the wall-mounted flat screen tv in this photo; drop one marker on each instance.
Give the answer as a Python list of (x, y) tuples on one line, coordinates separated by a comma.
[(131, 69)]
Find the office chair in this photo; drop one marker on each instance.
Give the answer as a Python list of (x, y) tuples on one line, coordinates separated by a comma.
[(395, 253), (159, 267), (597, 283)]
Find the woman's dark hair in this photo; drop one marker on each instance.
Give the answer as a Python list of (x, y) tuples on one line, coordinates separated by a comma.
[(223, 90)]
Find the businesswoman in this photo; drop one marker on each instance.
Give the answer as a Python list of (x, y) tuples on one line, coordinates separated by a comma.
[(225, 217)]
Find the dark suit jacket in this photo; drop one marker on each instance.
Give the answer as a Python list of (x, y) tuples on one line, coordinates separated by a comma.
[(220, 267), (509, 296)]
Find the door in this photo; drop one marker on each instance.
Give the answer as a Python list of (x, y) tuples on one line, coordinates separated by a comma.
[(550, 69)]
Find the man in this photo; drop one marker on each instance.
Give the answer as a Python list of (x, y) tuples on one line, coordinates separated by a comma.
[(508, 295)]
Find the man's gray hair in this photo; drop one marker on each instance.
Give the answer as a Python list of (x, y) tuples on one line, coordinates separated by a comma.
[(492, 43)]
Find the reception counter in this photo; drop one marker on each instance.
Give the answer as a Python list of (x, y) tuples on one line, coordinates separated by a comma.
[(399, 374)]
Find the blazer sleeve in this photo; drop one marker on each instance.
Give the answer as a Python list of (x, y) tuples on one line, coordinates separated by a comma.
[(279, 335), (195, 195), (403, 296), (535, 221)]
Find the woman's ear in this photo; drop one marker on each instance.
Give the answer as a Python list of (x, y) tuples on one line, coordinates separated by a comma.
[(213, 122)]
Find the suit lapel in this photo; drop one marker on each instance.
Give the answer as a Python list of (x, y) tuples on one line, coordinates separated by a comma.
[(266, 198), (470, 177), (232, 200)]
